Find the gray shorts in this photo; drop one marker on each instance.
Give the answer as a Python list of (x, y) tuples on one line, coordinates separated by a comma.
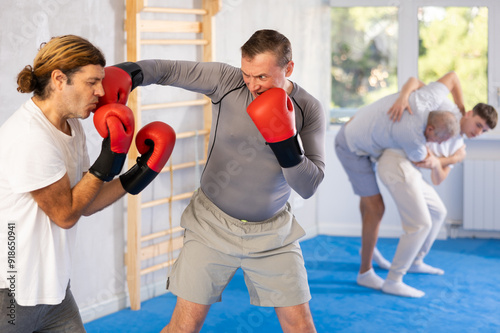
[(216, 245), (359, 169), (59, 318)]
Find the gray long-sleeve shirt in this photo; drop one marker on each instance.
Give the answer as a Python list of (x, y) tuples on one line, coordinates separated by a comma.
[(242, 175)]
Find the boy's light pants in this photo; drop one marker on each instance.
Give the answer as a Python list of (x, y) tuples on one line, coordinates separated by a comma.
[(421, 210)]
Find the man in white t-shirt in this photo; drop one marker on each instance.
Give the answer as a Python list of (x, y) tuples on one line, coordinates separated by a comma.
[(46, 184), (421, 210)]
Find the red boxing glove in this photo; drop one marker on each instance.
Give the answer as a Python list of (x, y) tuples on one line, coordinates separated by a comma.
[(274, 115), (155, 143), (119, 80), (117, 85), (115, 123)]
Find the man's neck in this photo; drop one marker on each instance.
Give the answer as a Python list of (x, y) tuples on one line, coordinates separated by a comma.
[(288, 87), (49, 109)]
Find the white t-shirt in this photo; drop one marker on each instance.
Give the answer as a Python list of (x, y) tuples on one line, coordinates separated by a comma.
[(34, 155), (447, 148), (371, 131)]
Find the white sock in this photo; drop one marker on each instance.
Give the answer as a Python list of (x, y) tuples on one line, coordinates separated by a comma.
[(380, 260), (370, 279), (424, 268), (400, 289)]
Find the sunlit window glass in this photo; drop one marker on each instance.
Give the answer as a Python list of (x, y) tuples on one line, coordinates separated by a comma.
[(363, 57), (455, 39)]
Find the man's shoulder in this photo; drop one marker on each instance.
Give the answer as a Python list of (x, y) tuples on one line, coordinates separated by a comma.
[(432, 88), (305, 101), (19, 119), (428, 98)]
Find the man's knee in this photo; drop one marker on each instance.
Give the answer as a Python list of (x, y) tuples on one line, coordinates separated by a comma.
[(420, 226), (372, 207), (182, 327), (296, 319), (440, 213), (187, 317)]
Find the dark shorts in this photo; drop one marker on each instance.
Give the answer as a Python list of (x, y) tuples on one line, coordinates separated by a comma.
[(359, 169), (59, 318)]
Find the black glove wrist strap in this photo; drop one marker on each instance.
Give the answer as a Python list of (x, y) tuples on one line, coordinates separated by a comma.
[(108, 164), (288, 152), (134, 71)]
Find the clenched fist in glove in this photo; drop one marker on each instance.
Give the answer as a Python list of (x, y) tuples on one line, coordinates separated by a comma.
[(115, 123), (155, 143), (273, 114), (119, 80)]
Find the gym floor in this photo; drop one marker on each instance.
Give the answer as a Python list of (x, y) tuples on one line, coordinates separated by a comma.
[(465, 299)]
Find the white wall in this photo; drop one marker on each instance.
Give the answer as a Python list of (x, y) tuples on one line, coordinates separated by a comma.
[(26, 24), (98, 279)]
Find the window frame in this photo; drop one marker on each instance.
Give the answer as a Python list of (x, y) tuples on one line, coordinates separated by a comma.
[(409, 33)]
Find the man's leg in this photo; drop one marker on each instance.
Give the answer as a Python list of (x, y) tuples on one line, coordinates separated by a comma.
[(296, 318), (372, 209), (379, 259), (360, 170), (187, 317), (15, 318), (63, 317), (438, 213)]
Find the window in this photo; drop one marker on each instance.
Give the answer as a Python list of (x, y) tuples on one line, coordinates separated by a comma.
[(455, 39), (376, 45), (363, 57)]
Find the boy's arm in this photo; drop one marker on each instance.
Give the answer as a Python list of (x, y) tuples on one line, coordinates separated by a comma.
[(397, 109), (438, 172), (457, 157), (452, 82)]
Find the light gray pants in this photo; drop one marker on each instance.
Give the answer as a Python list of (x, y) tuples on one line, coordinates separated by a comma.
[(421, 210)]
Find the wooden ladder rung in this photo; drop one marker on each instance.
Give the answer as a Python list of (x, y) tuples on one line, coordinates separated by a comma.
[(158, 249), (158, 202), (156, 31), (174, 104), (191, 134), (185, 165), (193, 11), (169, 26), (174, 41), (157, 267), (162, 233), (154, 250)]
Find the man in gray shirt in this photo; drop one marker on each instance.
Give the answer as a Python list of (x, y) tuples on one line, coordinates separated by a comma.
[(362, 140), (240, 217)]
